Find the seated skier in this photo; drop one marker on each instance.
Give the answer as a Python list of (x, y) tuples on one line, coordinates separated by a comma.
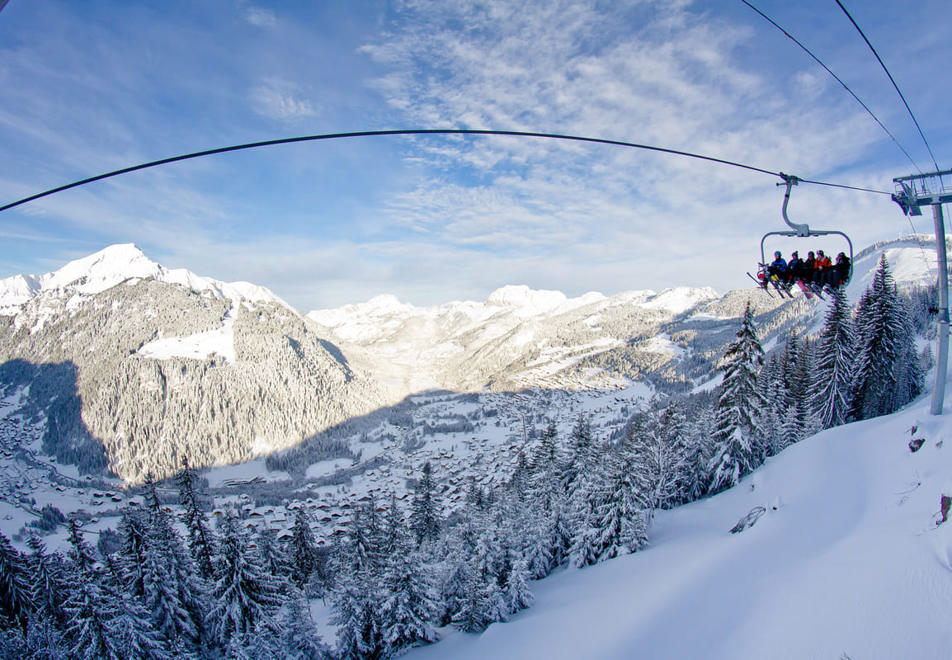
[(809, 268), (824, 270), (777, 270), (840, 272), (795, 267)]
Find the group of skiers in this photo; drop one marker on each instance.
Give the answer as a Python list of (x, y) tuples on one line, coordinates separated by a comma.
[(816, 271)]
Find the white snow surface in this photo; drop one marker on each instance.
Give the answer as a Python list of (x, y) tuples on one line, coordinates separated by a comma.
[(847, 562), (912, 261), (680, 299), (202, 345), (114, 265)]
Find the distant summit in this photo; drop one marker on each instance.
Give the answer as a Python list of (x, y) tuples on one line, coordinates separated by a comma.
[(112, 266)]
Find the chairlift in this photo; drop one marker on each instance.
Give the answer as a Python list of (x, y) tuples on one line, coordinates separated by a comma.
[(799, 231)]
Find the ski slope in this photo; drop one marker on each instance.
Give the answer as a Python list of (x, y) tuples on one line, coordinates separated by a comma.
[(847, 562)]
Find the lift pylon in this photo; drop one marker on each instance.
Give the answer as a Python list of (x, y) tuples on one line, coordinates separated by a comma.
[(913, 192)]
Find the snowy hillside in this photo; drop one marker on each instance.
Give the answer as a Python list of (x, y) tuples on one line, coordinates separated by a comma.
[(847, 562), (912, 261)]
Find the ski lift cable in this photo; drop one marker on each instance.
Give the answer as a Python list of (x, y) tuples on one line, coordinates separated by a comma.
[(915, 233), (411, 131), (892, 80), (839, 80)]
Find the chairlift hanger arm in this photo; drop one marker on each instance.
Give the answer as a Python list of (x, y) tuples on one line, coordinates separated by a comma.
[(790, 181)]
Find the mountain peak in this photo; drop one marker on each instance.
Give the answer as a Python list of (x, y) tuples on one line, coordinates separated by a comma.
[(102, 270), (524, 297), (113, 265)]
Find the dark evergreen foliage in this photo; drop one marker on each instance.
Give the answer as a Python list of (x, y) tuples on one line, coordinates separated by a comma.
[(425, 515)]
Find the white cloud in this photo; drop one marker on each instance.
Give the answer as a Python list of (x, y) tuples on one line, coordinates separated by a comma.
[(259, 17), (653, 73), (281, 99)]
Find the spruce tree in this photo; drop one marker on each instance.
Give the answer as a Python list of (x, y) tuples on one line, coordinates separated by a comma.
[(302, 550), (16, 599), (737, 433), (424, 515), (299, 638), (888, 374), (48, 583), (409, 605), (798, 420), (201, 541), (243, 593), (833, 373)]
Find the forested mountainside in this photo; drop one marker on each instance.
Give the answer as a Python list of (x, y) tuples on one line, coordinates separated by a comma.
[(466, 501), (135, 367), (140, 374)]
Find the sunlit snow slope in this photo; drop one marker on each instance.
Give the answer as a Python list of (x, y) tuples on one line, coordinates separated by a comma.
[(847, 562)]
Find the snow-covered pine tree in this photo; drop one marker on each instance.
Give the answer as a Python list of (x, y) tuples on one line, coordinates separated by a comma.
[(302, 550), (133, 531), (546, 452), (888, 374), (835, 358), (620, 515), (299, 638), (737, 433), (167, 599), (798, 421), (201, 541), (16, 599), (243, 593), (48, 584), (580, 455), (102, 622), (409, 604), (774, 390), (355, 605), (600, 502), (652, 456), (425, 514), (273, 556), (175, 594), (516, 590), (695, 447), (483, 603)]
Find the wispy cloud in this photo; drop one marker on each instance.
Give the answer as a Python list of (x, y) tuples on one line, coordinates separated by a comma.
[(281, 99), (436, 218), (260, 17)]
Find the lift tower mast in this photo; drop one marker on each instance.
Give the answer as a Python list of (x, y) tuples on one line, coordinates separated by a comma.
[(913, 192)]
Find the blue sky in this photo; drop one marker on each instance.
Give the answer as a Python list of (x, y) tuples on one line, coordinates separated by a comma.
[(89, 87)]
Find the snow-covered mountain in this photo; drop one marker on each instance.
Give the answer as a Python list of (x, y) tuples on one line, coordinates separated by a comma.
[(521, 338), (142, 365), (138, 366), (845, 561), (115, 265)]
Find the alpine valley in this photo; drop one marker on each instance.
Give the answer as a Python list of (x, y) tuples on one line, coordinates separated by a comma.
[(115, 370)]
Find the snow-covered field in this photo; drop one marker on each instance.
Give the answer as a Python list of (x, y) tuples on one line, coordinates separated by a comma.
[(847, 562)]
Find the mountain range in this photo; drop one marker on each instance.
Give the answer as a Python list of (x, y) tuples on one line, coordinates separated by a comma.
[(137, 366)]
